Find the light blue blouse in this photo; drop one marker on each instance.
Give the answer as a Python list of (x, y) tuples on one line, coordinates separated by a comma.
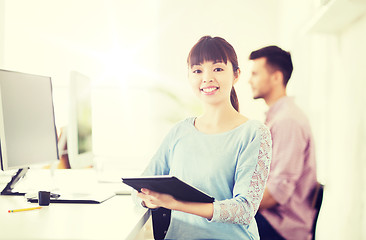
[(232, 167)]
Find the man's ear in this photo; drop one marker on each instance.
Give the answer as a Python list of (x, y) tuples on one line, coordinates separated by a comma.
[(278, 77), (236, 76)]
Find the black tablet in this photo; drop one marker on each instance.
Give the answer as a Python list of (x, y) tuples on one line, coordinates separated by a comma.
[(170, 185)]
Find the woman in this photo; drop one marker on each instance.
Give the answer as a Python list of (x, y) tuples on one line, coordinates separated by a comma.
[(220, 152)]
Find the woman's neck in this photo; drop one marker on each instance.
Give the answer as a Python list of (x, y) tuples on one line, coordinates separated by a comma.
[(217, 120)]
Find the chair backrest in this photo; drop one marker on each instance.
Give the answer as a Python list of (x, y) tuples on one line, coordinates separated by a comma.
[(317, 203), (160, 222)]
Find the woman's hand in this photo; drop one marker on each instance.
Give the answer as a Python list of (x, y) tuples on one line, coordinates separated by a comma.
[(155, 200)]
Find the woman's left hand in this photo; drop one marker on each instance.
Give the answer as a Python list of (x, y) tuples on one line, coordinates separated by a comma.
[(154, 199)]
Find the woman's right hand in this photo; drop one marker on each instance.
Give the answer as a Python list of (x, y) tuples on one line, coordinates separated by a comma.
[(155, 200)]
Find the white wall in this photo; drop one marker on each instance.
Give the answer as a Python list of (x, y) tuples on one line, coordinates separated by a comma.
[(330, 83), (348, 138), (112, 42)]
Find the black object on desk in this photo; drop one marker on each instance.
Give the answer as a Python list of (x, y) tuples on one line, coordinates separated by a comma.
[(85, 198), (44, 198), (170, 185)]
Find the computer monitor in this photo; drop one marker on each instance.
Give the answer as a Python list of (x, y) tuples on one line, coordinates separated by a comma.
[(27, 124), (79, 129)]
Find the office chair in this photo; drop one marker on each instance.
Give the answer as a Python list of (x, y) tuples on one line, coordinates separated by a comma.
[(317, 203), (160, 222)]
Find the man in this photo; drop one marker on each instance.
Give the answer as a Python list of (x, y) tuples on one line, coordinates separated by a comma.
[(285, 211)]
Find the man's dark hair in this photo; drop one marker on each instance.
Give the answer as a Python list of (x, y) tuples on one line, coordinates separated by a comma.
[(277, 59)]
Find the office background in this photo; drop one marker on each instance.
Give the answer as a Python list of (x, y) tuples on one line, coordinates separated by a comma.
[(135, 52)]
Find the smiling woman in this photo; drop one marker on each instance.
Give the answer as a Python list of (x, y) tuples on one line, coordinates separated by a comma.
[(208, 59), (220, 147)]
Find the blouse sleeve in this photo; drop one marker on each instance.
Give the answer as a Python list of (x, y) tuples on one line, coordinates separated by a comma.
[(242, 208), (159, 163)]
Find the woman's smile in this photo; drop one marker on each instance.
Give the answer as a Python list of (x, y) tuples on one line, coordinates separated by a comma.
[(209, 90)]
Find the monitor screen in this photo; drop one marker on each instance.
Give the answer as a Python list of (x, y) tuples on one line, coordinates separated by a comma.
[(79, 129), (27, 124)]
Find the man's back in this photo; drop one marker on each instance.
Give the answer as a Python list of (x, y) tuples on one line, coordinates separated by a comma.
[(292, 177)]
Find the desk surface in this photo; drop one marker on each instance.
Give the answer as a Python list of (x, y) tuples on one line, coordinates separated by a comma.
[(116, 218)]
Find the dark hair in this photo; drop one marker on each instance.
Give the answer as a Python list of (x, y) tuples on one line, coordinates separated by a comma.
[(277, 59), (215, 49)]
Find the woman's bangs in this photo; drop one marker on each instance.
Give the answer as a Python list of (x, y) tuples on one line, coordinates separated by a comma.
[(207, 51)]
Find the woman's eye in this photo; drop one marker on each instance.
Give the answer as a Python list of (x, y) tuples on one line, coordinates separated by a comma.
[(218, 69), (197, 71)]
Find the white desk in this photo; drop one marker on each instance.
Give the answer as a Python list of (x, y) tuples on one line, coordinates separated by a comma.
[(116, 218)]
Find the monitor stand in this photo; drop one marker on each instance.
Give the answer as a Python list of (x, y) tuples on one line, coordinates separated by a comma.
[(10, 186)]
